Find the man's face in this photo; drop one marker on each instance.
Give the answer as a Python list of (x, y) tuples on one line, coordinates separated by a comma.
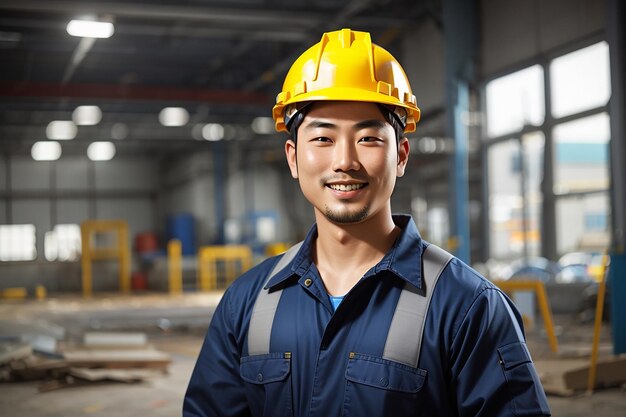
[(347, 160)]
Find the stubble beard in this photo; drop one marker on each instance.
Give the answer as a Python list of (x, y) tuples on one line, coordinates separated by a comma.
[(346, 217)]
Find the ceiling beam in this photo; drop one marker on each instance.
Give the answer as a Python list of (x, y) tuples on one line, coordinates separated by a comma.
[(149, 28), (130, 92), (306, 20)]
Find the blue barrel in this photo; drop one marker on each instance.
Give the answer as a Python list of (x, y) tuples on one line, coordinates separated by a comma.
[(181, 226)]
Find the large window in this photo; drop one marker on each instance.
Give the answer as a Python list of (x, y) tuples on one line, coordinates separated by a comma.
[(63, 243), (515, 173), (581, 154), (580, 80), (579, 136), (582, 222), (17, 242), (514, 101)]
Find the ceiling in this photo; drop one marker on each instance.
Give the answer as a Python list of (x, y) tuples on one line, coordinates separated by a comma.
[(223, 61)]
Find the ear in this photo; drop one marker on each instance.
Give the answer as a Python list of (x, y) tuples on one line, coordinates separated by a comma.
[(292, 158), (403, 156)]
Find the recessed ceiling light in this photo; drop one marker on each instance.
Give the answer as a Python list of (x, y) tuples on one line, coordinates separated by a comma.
[(174, 116), (87, 115), (90, 29), (101, 151), (61, 130), (213, 132), (263, 125), (46, 151)]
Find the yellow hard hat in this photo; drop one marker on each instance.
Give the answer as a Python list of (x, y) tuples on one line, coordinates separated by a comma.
[(346, 66)]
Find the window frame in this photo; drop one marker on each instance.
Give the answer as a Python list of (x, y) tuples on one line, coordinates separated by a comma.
[(548, 229)]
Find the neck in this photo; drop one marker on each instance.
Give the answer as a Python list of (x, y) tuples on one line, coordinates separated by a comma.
[(345, 252)]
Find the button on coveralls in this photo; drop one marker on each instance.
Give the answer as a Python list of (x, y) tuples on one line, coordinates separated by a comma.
[(473, 360)]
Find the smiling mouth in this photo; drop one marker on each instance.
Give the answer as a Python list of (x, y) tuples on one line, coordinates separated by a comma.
[(346, 187)]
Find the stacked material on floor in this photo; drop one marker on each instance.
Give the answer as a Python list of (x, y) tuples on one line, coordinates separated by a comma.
[(37, 351), (567, 376)]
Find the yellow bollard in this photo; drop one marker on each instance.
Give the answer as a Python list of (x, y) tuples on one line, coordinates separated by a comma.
[(174, 266), (40, 292)]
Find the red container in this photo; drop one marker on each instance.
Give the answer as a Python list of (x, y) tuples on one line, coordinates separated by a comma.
[(139, 281), (146, 242)]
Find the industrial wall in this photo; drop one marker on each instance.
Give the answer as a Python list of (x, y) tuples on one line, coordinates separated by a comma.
[(69, 191), (145, 192), (514, 32)]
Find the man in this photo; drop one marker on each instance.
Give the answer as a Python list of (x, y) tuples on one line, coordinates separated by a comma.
[(333, 327)]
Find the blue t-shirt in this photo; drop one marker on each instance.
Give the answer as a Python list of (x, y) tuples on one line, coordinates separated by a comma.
[(335, 301)]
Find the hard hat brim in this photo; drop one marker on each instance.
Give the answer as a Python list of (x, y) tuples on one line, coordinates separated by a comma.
[(346, 94)]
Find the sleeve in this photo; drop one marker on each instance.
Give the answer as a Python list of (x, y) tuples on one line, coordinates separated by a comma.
[(215, 387), (492, 370)]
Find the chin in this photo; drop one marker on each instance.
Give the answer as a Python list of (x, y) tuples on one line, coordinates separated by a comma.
[(346, 217)]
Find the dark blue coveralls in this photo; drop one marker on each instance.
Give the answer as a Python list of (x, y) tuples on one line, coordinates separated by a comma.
[(473, 362)]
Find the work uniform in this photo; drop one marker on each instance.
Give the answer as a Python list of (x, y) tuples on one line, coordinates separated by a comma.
[(325, 362)]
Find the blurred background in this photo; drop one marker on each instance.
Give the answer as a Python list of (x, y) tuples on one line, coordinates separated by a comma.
[(139, 163)]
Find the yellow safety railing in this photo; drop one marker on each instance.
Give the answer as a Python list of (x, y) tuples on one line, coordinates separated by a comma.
[(230, 256), (540, 291), (175, 266), (591, 381), (120, 251)]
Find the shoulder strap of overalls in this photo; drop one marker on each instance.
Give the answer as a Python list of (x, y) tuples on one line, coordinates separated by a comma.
[(404, 338), (265, 308), (407, 325)]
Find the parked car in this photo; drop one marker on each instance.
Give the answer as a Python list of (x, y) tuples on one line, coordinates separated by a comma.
[(571, 288), (591, 261)]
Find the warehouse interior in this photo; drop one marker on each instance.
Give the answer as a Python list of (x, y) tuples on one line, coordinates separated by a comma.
[(134, 166)]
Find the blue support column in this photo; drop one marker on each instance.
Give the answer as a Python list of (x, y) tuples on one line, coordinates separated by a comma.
[(460, 189), (616, 36), (617, 283), (461, 37)]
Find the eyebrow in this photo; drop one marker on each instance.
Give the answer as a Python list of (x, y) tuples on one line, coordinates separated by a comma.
[(364, 124)]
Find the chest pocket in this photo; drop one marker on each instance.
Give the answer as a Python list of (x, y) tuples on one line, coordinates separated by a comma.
[(267, 380), (382, 386)]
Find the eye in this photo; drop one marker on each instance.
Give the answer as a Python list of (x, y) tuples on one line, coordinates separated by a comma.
[(370, 139), (322, 139)]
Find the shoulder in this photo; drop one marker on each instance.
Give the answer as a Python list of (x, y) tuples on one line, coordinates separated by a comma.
[(459, 291), (465, 280)]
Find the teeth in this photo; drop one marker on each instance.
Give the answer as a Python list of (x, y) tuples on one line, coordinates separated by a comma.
[(349, 187)]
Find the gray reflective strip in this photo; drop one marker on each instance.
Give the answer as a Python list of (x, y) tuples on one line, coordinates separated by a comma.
[(518, 330), (404, 338), (265, 308)]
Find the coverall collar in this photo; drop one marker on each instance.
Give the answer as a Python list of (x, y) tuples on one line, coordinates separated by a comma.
[(403, 259)]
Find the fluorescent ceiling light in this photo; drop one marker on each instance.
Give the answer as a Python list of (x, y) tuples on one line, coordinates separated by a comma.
[(101, 151), (213, 132), (61, 130), (90, 29), (174, 116), (263, 125), (87, 115), (46, 151)]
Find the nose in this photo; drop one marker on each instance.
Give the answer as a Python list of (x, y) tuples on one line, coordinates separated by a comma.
[(345, 157)]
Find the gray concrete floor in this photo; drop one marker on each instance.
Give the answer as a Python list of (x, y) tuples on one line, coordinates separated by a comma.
[(167, 331)]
